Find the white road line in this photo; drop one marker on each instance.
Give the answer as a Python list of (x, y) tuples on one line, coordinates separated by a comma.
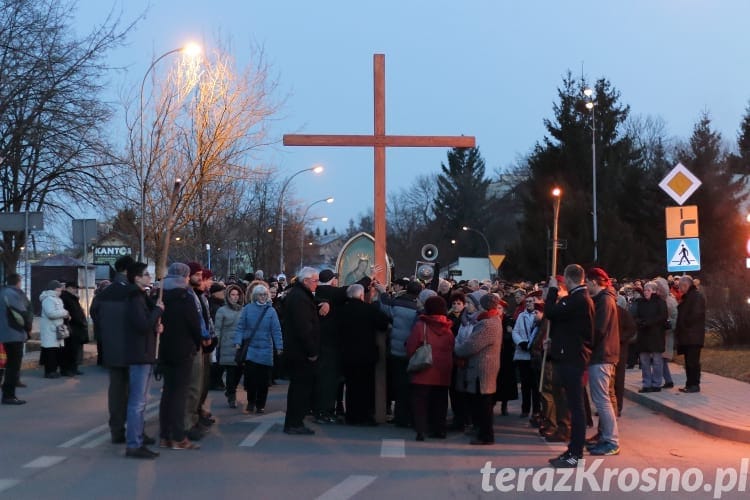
[(105, 437), (347, 488), (393, 448), (44, 462), (6, 484), (257, 434), (84, 436), (154, 407)]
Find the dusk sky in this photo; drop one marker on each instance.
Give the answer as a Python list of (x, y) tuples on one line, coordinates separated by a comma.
[(488, 68)]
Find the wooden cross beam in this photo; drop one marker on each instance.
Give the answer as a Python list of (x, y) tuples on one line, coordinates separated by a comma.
[(379, 141)]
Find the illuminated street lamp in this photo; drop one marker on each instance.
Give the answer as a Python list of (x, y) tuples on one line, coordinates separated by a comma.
[(489, 252), (192, 50), (590, 103), (557, 194), (317, 169), (302, 232)]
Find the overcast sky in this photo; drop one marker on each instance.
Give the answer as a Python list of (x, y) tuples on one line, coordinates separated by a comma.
[(488, 68)]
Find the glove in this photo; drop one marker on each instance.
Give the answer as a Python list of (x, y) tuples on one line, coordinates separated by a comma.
[(524, 346)]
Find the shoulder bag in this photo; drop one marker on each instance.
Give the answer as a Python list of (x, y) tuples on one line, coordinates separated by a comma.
[(422, 357), (241, 354)]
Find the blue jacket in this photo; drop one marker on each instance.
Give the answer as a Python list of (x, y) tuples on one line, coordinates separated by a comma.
[(403, 312), (266, 337)]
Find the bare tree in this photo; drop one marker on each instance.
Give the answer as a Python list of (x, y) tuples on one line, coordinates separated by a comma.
[(52, 121)]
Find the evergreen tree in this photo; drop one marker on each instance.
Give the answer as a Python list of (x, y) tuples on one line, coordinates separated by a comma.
[(740, 162)]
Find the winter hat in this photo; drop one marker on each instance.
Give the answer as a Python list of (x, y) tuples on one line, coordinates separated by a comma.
[(598, 275), (435, 305), (425, 294), (54, 285), (194, 267), (491, 301), (178, 269), (327, 275), (475, 296), (216, 287), (208, 274), (413, 287), (282, 277)]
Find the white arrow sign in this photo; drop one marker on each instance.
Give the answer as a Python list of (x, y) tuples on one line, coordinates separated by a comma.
[(265, 423)]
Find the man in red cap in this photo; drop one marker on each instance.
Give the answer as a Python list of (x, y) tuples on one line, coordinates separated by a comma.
[(605, 353)]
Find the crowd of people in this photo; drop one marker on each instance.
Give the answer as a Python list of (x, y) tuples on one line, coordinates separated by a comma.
[(567, 342)]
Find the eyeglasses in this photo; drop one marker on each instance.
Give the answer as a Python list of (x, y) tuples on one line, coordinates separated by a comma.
[(314, 280)]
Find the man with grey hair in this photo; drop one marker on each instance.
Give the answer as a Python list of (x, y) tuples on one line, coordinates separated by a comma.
[(301, 348), (359, 323), (690, 332)]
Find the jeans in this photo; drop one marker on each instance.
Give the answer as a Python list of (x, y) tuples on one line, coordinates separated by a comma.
[(571, 379), (14, 351), (651, 369), (140, 381), (600, 378)]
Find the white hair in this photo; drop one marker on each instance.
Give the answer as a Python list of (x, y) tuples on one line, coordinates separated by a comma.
[(355, 291), (307, 272), (258, 290)]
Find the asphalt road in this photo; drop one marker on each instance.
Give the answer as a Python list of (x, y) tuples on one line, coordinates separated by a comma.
[(57, 447)]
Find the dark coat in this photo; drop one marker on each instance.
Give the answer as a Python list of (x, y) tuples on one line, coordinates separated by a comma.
[(571, 326), (108, 310), (181, 338), (438, 331), (301, 323), (359, 323), (142, 318), (329, 328), (507, 383), (691, 319), (606, 344), (651, 318), (628, 328), (79, 327)]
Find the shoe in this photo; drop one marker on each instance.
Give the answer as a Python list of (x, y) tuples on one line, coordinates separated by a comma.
[(605, 449), (78, 372), (165, 443), (481, 442), (325, 419), (232, 403), (565, 461), (593, 439), (260, 411), (249, 409), (667, 385), (52, 375), (141, 452), (67, 373), (13, 401), (148, 440), (690, 389), (438, 435), (656, 389), (420, 436), (206, 422), (195, 434), (20, 384), (185, 444), (645, 389), (118, 438), (557, 438), (301, 430)]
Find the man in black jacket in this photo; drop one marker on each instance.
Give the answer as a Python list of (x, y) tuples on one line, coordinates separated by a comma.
[(142, 327), (301, 348), (604, 357), (571, 333), (690, 332), (78, 331)]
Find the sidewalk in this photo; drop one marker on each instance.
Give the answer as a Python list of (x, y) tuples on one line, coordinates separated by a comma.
[(721, 409)]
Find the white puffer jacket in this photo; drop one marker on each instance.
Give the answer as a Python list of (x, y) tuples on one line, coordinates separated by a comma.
[(53, 314)]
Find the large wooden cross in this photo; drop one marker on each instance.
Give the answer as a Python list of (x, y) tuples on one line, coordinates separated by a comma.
[(379, 141)]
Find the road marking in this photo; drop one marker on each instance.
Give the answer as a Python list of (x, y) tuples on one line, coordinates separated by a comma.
[(6, 484), (44, 462), (151, 410), (393, 448), (347, 488), (264, 425)]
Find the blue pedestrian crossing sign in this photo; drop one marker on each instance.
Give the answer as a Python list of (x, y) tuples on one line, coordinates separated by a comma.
[(683, 255)]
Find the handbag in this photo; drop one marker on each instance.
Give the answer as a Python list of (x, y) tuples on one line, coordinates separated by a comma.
[(241, 355), (422, 357), (62, 331)]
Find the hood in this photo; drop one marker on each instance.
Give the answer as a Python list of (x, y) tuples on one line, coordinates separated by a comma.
[(240, 302), (47, 293), (440, 324), (171, 282)]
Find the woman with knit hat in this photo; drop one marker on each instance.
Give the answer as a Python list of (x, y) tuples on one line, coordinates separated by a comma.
[(429, 387)]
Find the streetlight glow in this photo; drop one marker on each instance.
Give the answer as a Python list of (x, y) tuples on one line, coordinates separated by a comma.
[(588, 92), (302, 232), (317, 169), (556, 192)]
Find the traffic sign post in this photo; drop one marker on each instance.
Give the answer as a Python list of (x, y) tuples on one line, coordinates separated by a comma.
[(682, 222), (683, 244)]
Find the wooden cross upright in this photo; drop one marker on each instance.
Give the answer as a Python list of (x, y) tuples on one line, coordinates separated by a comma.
[(379, 141)]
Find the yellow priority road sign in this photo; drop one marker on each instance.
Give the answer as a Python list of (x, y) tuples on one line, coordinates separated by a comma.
[(682, 222)]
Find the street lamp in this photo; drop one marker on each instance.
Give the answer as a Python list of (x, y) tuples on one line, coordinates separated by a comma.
[(590, 103), (302, 231), (557, 193), (480, 233), (193, 50), (316, 170)]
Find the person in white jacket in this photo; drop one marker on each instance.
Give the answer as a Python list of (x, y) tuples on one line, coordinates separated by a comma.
[(53, 315), (525, 332)]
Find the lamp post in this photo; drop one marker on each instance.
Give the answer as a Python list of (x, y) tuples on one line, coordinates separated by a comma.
[(590, 103), (480, 233), (557, 193), (316, 170), (302, 231), (190, 49)]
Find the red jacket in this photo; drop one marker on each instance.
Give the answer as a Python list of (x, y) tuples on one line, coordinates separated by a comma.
[(439, 335)]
